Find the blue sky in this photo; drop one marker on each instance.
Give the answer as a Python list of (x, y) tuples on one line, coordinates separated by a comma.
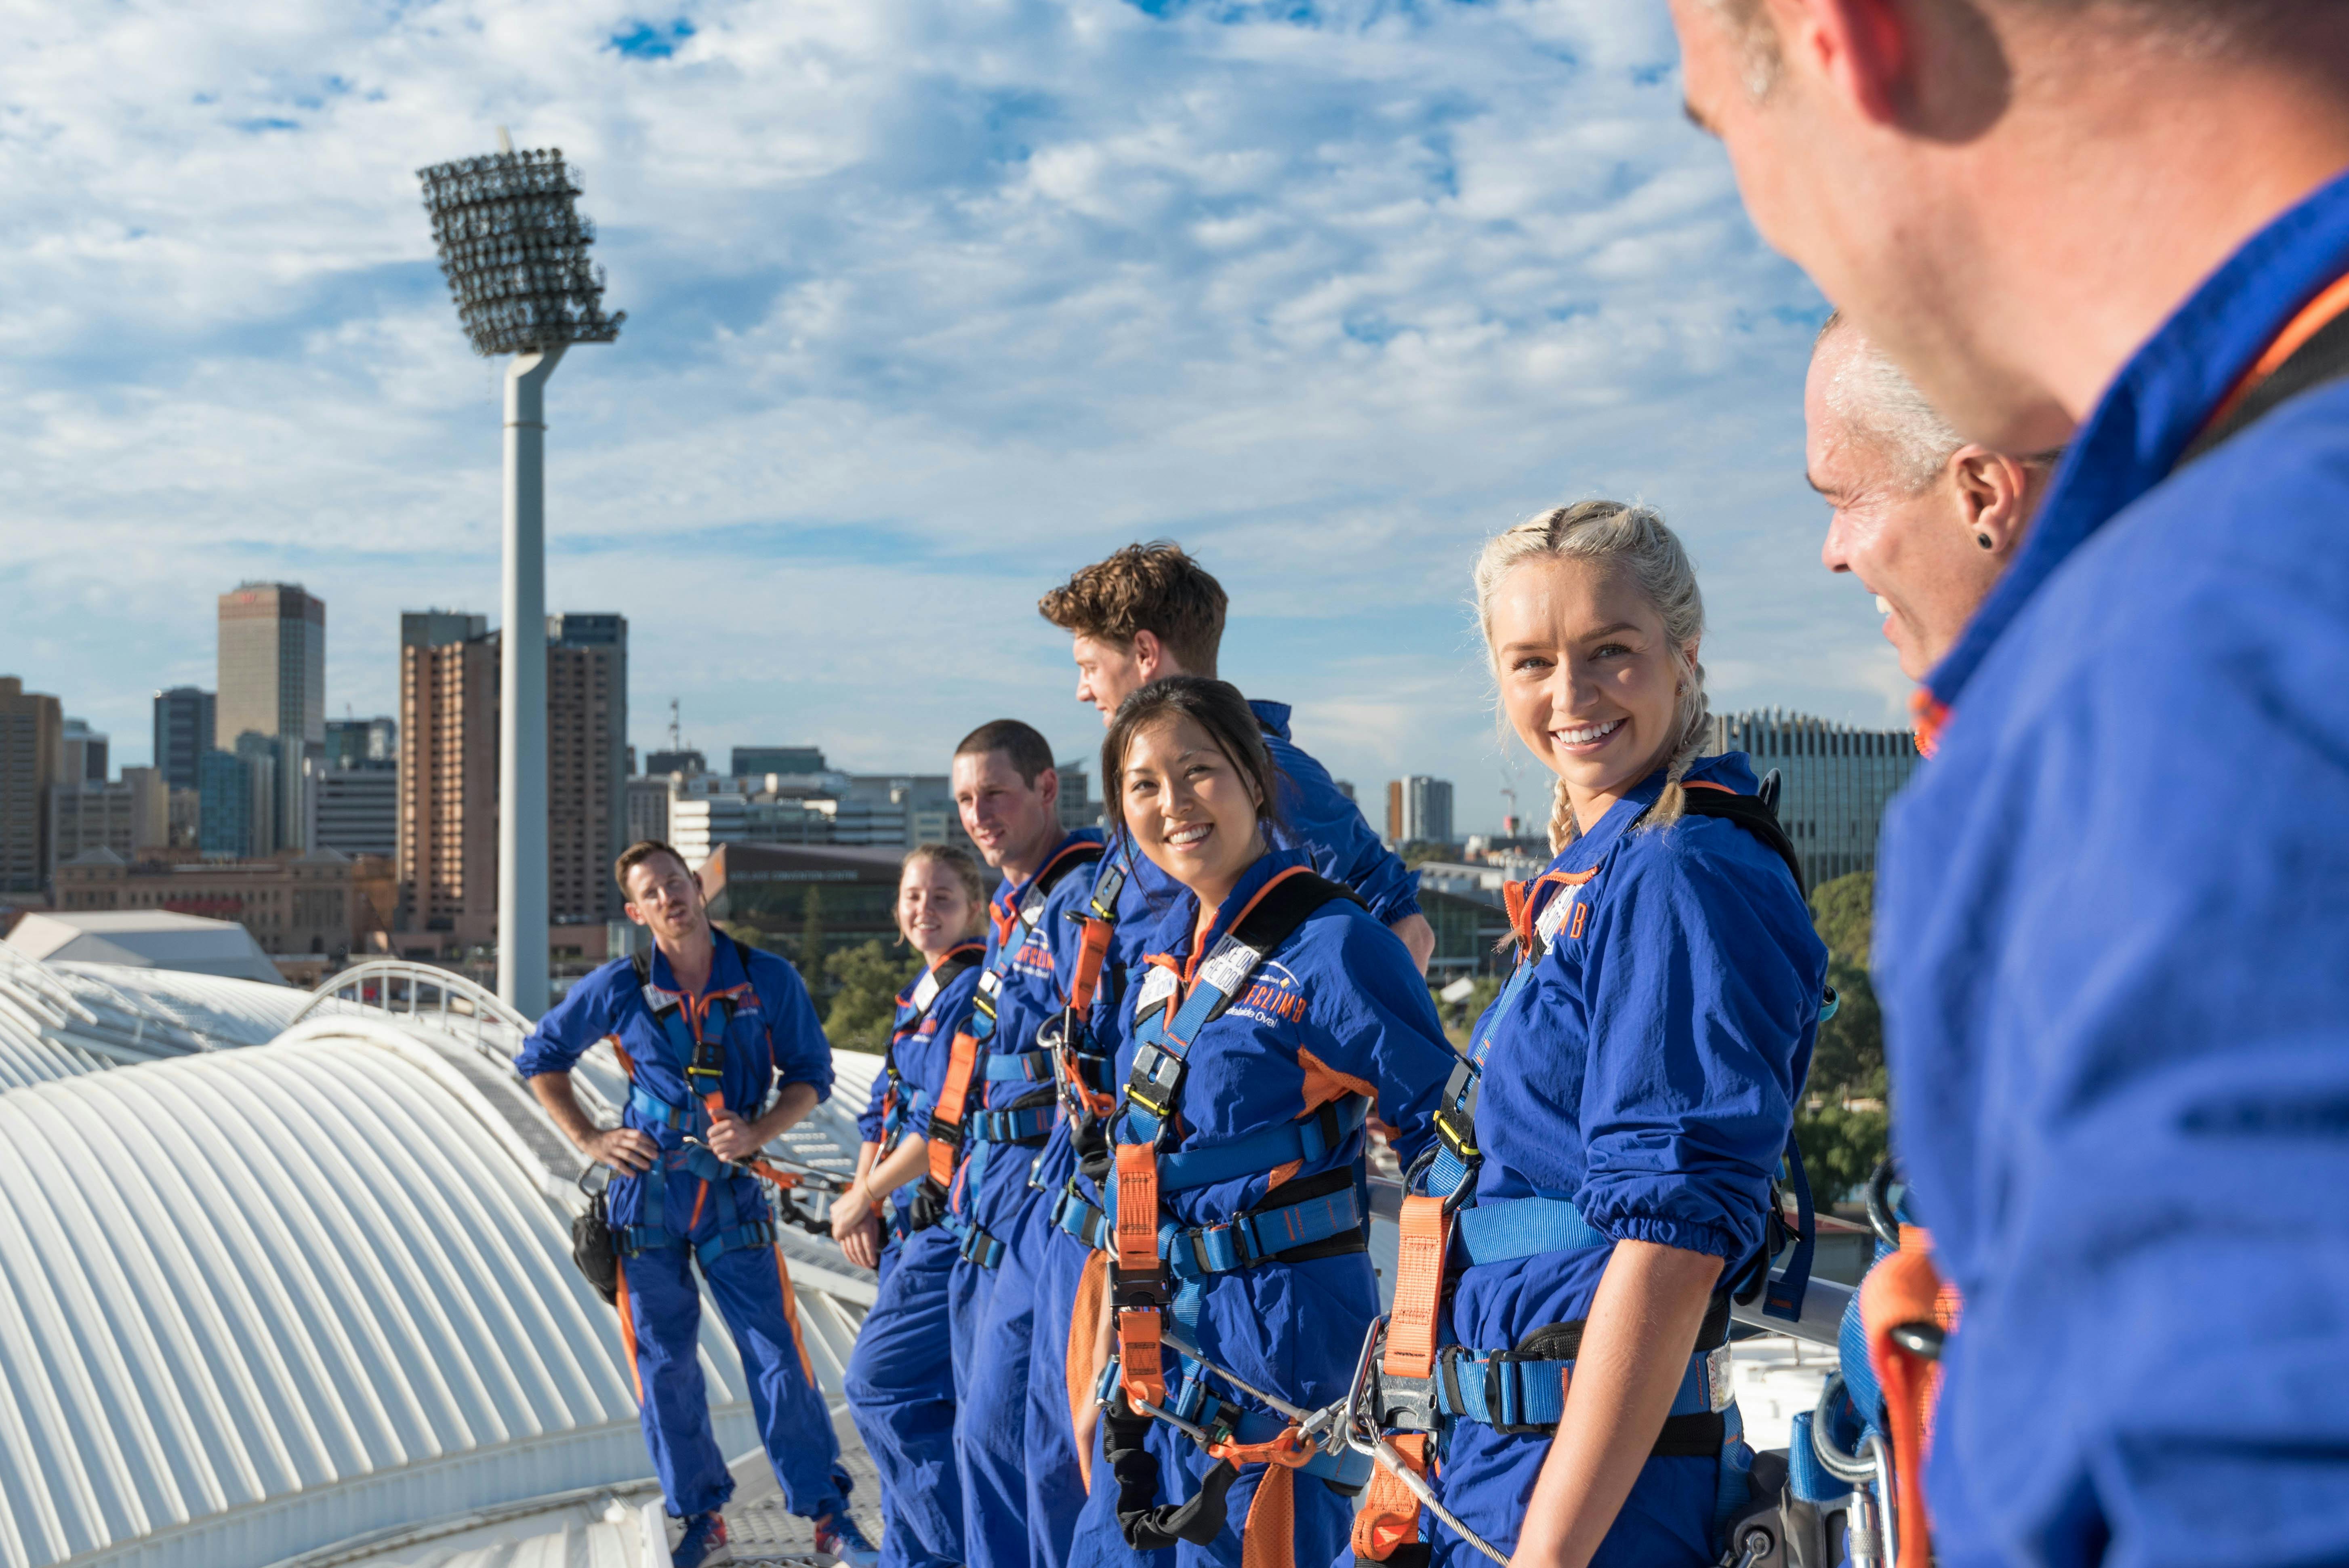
[(929, 302)]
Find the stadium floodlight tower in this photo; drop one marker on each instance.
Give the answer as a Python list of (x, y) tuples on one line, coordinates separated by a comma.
[(515, 250)]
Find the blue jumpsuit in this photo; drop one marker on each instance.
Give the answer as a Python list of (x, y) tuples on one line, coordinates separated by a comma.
[(2113, 952), (900, 1379), (993, 1307), (1336, 1011), (1313, 817), (772, 1039), (1646, 1070)]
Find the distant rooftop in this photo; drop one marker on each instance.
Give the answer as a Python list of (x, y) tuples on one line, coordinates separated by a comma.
[(146, 939)]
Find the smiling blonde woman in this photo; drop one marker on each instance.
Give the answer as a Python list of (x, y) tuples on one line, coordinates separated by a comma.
[(1605, 1172)]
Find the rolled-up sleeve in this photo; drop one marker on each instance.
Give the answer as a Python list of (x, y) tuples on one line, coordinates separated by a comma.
[(803, 1055), (868, 1125), (583, 1017), (1382, 1028), (1703, 996)]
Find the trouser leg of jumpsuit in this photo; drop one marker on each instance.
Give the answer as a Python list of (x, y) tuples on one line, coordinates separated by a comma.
[(900, 1387), (1097, 1542), (662, 1327), (991, 1413), (1487, 1479), (1056, 1482)]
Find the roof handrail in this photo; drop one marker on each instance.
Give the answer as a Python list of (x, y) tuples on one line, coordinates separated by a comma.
[(386, 977)]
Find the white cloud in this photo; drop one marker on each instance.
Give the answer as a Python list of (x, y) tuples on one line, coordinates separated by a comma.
[(930, 301)]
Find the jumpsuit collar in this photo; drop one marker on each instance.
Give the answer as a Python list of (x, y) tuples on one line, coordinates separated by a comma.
[(1176, 935), (1005, 907), (1273, 717), (725, 968), (2158, 403), (911, 997)]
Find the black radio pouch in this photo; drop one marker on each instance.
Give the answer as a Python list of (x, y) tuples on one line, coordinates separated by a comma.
[(591, 1250)]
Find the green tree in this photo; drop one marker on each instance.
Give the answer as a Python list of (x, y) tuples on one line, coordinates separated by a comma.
[(1841, 1148), (1460, 1017), (811, 945), (864, 982)]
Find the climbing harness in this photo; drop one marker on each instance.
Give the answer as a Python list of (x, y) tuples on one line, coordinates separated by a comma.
[(1158, 1267), (1081, 1077), (695, 1031), (1416, 1389), (904, 1106), (1029, 1119)]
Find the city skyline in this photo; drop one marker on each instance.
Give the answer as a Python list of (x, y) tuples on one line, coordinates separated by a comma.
[(909, 344)]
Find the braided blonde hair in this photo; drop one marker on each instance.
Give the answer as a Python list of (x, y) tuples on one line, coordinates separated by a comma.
[(1633, 540)]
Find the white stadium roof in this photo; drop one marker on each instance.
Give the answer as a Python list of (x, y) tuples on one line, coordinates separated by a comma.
[(58, 1020), (313, 1301)]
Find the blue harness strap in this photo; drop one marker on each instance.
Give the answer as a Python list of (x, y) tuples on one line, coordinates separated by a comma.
[(1501, 1390), (1019, 1067), (1029, 1125), (1521, 1227)]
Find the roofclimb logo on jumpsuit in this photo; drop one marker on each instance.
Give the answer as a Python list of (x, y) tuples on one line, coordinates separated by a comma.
[(1276, 997)]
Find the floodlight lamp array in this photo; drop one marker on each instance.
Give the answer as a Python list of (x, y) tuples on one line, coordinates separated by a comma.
[(514, 248)]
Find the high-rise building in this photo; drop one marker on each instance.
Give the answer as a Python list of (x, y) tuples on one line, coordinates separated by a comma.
[(126, 816), (185, 729), (358, 810), (272, 684), (1418, 810), (648, 809), (588, 761), (32, 729), (360, 742), (439, 628), (447, 841), (1835, 781), (234, 792), (660, 764), (83, 759), (1077, 807), (447, 849), (752, 760)]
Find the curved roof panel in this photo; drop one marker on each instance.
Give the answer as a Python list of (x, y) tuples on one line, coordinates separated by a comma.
[(256, 1302), (59, 1020)]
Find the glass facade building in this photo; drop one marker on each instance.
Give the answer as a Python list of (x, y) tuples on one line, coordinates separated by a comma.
[(1834, 782)]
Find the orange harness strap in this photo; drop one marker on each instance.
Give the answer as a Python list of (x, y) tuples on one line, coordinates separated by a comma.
[(962, 1060), (1906, 1288), (1388, 1516), (1140, 1366)]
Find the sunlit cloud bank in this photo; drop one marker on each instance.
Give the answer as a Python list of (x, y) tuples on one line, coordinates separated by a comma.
[(928, 304)]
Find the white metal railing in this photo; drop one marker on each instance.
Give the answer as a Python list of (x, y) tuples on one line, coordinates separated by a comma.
[(439, 998)]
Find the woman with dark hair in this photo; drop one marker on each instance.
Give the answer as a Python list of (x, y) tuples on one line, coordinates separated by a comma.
[(1273, 1015)]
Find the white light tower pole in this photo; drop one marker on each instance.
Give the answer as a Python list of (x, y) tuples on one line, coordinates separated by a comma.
[(521, 693), (515, 251)]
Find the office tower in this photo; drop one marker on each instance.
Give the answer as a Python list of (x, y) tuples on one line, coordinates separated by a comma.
[(586, 763), (362, 743), (83, 759), (750, 761), (439, 628), (358, 810), (184, 731), (126, 816), (32, 733), (447, 830), (660, 764), (1077, 808), (1418, 810), (447, 835), (1835, 781), (648, 809), (235, 812), (272, 684), (186, 817)]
